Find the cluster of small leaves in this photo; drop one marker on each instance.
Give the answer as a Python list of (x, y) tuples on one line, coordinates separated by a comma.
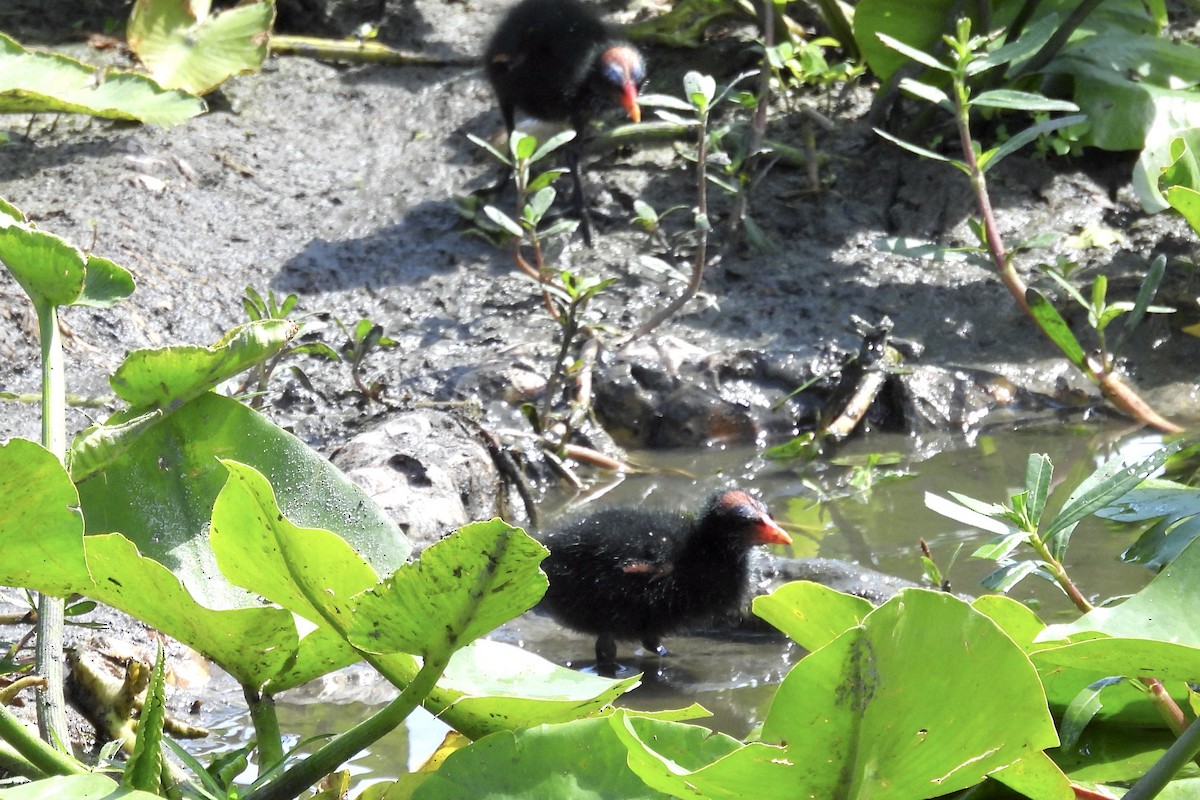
[(535, 193), (1020, 521)]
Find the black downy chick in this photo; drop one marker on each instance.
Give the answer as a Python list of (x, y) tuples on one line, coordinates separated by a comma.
[(631, 573), (557, 61)]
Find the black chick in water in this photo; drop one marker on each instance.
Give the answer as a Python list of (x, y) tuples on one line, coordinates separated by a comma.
[(629, 573), (557, 61)]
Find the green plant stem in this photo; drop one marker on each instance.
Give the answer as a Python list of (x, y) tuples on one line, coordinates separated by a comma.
[(51, 704), (13, 763), (1112, 388), (40, 755), (332, 755), (1060, 574), (1001, 261), (266, 726), (360, 51), (702, 248), (569, 325), (1185, 749)]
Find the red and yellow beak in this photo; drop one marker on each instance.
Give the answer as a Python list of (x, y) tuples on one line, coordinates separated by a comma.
[(769, 532), (629, 95)]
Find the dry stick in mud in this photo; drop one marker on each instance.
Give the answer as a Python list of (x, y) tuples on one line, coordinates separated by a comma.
[(361, 50)]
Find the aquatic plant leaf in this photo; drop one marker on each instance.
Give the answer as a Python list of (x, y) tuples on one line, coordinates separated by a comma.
[(92, 786), (56, 273), (1120, 702), (1014, 100), (687, 760), (530, 764), (918, 26), (105, 284), (1055, 327), (32, 82), (49, 269), (8, 209), (990, 158), (1179, 180), (855, 715), (1139, 94), (36, 494), (97, 446), (1038, 472), (167, 377), (1175, 506), (252, 644), (490, 686), (184, 47), (39, 496), (809, 614), (476, 579), (1036, 775), (307, 570), (160, 493), (1105, 485), (1154, 633)]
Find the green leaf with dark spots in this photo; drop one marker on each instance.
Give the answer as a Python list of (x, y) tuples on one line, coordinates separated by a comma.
[(462, 587)]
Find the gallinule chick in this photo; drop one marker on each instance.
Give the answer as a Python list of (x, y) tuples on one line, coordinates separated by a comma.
[(555, 60), (637, 574)]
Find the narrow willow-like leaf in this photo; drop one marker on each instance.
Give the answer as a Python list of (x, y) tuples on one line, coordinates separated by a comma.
[(927, 92), (503, 220), (1145, 296), (991, 158), (967, 516), (499, 156), (1082, 709), (1038, 471), (920, 56), (1112, 480), (553, 143), (1055, 327), (1006, 577), (921, 151), (1021, 101)]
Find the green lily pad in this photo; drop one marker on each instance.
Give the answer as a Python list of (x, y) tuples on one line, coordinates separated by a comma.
[(582, 760), (32, 82), (160, 490), (857, 714), (169, 376), (811, 615)]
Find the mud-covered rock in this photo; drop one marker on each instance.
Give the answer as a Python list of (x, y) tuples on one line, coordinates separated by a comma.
[(431, 471)]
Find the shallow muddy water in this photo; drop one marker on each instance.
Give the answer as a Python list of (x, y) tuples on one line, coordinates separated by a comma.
[(735, 680)]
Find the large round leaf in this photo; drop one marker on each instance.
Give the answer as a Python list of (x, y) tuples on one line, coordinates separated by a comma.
[(926, 697)]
